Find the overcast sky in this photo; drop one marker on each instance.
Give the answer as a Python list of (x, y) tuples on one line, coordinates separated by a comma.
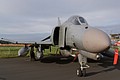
[(40, 16)]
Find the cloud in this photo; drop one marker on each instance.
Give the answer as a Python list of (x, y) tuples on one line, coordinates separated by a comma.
[(103, 17), (34, 16)]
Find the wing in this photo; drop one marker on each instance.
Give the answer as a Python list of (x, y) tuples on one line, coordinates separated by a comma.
[(40, 46)]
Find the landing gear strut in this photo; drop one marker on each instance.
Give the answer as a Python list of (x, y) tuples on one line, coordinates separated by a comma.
[(81, 71), (39, 53)]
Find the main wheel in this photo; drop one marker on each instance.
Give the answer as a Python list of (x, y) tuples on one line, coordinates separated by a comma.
[(84, 72), (79, 72)]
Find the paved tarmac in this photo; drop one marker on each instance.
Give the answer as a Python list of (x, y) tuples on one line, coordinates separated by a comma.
[(53, 68)]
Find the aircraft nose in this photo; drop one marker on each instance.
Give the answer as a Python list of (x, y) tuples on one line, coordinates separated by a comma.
[(95, 40)]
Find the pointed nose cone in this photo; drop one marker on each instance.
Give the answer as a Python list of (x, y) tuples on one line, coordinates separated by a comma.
[(96, 40)]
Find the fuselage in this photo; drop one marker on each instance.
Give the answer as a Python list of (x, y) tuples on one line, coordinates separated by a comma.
[(80, 35), (89, 39)]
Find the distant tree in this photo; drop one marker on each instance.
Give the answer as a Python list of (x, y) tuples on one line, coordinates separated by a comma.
[(5, 42)]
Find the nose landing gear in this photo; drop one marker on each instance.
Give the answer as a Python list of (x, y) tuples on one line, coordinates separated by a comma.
[(81, 71)]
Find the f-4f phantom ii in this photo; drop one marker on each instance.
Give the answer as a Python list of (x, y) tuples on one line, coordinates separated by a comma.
[(76, 34)]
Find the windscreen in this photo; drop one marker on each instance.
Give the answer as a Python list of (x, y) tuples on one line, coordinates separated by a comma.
[(81, 20)]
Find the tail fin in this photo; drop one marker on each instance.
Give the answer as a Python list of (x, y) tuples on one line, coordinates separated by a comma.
[(59, 22)]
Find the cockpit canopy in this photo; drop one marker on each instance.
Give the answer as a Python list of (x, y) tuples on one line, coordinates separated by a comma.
[(77, 20)]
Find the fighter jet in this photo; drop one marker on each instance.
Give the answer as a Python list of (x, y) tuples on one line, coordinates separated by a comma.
[(76, 35)]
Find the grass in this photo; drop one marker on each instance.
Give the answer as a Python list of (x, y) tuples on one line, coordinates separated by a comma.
[(114, 47), (7, 52), (11, 52), (53, 51)]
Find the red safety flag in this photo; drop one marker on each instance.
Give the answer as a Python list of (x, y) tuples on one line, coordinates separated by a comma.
[(115, 56)]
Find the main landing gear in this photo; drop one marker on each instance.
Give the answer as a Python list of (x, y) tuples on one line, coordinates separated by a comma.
[(39, 53)]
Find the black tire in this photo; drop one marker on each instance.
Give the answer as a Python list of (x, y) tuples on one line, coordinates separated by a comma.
[(79, 72), (84, 72)]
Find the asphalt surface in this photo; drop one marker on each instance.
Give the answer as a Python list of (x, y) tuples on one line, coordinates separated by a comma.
[(55, 68)]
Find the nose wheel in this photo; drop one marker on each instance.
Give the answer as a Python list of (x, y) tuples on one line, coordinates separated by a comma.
[(80, 72)]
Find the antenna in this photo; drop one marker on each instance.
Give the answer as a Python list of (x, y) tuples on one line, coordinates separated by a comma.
[(59, 22)]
